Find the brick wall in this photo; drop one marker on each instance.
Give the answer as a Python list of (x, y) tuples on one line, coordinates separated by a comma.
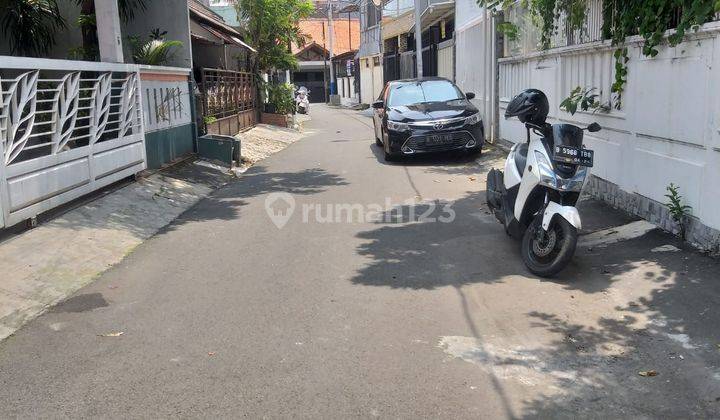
[(280, 120)]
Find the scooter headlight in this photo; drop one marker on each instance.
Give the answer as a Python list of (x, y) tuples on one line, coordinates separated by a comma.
[(396, 126), (545, 171), (549, 178)]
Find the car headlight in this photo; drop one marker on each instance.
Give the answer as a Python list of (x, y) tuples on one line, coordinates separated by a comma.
[(396, 126), (473, 119), (549, 178)]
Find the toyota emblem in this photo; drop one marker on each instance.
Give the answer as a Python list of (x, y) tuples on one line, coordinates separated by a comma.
[(439, 126)]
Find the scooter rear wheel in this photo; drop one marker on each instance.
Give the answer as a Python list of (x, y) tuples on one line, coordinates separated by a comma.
[(547, 253)]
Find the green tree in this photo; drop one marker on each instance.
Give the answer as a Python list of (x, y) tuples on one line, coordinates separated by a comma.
[(30, 25), (271, 27)]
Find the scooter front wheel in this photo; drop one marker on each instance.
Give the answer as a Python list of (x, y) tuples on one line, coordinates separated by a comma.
[(547, 253)]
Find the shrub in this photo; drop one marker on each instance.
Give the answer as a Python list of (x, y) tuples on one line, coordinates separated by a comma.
[(281, 97)]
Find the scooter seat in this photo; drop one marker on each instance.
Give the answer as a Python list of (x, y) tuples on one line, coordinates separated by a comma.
[(521, 158)]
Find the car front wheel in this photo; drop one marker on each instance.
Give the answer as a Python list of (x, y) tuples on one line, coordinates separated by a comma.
[(377, 139)]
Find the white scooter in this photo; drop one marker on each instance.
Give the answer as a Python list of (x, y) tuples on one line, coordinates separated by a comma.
[(535, 196), (302, 100)]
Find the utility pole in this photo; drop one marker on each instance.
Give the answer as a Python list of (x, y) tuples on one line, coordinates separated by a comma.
[(331, 35), (418, 40)]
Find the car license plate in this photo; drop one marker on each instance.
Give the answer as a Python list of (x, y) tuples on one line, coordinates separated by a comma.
[(435, 139), (573, 155)]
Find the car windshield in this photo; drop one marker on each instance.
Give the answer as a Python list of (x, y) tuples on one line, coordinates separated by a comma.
[(403, 94)]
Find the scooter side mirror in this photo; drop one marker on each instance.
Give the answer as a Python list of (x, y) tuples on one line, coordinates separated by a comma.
[(378, 104), (594, 127)]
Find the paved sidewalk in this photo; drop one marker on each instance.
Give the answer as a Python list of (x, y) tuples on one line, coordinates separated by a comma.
[(43, 266)]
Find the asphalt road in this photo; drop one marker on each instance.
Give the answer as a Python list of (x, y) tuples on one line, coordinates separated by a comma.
[(420, 310)]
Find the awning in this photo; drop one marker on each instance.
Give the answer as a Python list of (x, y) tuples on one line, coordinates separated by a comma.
[(399, 25), (227, 38), (435, 12)]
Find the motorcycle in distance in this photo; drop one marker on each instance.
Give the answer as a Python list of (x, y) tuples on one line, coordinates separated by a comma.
[(536, 194), (302, 101)]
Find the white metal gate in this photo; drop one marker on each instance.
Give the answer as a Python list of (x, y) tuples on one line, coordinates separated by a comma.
[(476, 67), (66, 128)]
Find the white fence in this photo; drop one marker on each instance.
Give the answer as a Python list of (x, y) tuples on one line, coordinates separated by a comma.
[(668, 129), (166, 99), (475, 69), (66, 128), (446, 60)]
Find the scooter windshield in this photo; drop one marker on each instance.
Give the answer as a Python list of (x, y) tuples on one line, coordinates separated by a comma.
[(567, 135)]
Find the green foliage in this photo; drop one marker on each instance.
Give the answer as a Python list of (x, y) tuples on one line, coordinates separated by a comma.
[(621, 19), (678, 210), (281, 97), (30, 25), (209, 120), (271, 27), (155, 51), (510, 30), (650, 19), (544, 14), (585, 99), (128, 7)]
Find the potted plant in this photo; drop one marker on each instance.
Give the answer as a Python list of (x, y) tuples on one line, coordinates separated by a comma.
[(280, 103)]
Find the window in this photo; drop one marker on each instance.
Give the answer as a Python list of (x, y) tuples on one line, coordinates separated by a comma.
[(428, 91)]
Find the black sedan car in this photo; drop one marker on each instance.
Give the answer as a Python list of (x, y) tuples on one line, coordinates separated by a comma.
[(426, 115)]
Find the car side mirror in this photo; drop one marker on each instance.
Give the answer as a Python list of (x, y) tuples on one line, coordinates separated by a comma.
[(378, 104), (594, 127), (469, 95)]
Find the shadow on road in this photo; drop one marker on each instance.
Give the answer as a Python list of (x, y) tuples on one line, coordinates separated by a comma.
[(643, 311), (226, 202)]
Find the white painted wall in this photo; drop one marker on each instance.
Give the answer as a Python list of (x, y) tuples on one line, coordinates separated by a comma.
[(466, 11), (668, 129), (474, 62), (446, 61), (371, 80)]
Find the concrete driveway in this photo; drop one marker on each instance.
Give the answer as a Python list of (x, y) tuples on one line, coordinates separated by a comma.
[(388, 292)]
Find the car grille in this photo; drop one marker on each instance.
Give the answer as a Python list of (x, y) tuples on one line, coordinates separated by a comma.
[(418, 143)]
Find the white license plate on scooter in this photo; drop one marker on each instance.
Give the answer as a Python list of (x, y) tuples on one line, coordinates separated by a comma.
[(574, 156)]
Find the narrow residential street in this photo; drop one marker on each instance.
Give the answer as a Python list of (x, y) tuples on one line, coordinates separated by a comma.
[(423, 311)]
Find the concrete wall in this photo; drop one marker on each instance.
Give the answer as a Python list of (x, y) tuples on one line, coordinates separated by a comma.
[(474, 62), (466, 11), (371, 80), (446, 61), (668, 129), (168, 15)]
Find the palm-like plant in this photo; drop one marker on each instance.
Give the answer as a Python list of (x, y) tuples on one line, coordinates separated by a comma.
[(155, 52), (30, 25)]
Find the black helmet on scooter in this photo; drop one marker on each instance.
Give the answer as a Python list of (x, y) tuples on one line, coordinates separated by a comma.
[(530, 106)]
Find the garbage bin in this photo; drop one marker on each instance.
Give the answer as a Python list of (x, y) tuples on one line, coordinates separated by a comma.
[(225, 149)]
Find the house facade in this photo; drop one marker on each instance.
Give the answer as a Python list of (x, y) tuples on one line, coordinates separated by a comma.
[(92, 111), (370, 51)]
